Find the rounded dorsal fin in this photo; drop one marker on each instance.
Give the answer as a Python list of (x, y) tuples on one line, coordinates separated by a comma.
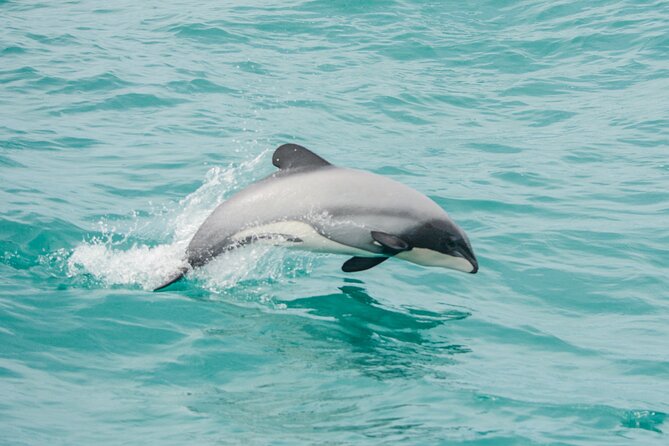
[(289, 156)]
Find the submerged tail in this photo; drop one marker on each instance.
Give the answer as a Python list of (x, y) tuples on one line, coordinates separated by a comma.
[(174, 277)]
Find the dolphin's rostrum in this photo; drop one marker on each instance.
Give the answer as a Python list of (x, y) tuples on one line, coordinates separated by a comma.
[(311, 204)]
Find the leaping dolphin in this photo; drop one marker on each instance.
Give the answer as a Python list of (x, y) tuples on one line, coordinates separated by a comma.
[(313, 205)]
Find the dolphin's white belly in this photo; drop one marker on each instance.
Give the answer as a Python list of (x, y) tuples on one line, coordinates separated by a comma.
[(428, 257), (309, 239)]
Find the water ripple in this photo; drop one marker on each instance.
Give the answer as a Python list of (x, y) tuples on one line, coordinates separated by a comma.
[(541, 127)]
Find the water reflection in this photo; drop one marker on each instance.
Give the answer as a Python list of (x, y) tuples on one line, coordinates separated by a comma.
[(381, 341)]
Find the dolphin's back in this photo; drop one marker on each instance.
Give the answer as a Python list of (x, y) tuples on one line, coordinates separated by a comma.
[(334, 201)]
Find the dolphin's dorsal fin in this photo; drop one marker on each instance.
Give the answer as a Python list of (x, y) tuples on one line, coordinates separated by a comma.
[(290, 156)]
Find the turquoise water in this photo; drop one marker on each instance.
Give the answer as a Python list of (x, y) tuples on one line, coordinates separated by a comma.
[(541, 127)]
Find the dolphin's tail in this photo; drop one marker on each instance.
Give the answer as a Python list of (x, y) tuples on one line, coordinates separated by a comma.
[(174, 277)]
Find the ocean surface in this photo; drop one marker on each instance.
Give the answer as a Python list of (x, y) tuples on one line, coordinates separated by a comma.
[(541, 127)]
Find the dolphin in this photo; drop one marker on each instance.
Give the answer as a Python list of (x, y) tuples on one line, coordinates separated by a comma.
[(313, 205)]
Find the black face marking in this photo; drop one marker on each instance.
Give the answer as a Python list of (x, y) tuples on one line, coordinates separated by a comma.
[(445, 237)]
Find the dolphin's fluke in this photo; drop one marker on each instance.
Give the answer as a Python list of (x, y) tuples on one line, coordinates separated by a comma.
[(174, 277)]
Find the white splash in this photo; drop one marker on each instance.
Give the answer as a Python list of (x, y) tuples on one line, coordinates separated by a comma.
[(112, 261), (140, 264)]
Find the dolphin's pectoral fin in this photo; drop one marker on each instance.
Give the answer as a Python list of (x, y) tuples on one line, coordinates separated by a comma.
[(290, 156), (355, 264), (392, 244)]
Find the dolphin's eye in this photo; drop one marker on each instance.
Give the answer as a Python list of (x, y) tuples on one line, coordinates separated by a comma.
[(450, 242)]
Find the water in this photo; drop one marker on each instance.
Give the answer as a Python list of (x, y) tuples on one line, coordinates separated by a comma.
[(541, 127)]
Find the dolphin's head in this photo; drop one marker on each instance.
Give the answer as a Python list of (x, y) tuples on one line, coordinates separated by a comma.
[(440, 243)]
